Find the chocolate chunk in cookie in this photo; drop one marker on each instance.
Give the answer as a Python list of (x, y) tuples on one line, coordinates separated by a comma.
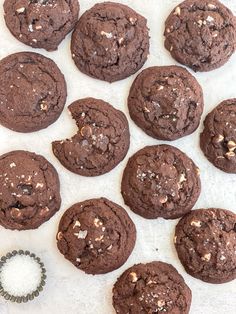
[(29, 190), (166, 102), (155, 287), (201, 34), (110, 42), (205, 240), (32, 92), (160, 181), (218, 139), (41, 23), (101, 142), (96, 235)]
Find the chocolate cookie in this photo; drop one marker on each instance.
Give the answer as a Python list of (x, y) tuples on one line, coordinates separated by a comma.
[(151, 288), (41, 23), (166, 102), (101, 142), (218, 139), (32, 92), (201, 34), (206, 244), (96, 235), (29, 190), (110, 42), (160, 181)]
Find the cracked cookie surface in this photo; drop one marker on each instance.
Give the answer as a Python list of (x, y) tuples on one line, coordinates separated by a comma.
[(96, 235), (160, 181), (218, 139), (41, 23), (32, 92), (101, 142), (151, 288), (110, 42), (29, 190), (201, 34), (205, 240), (166, 102)]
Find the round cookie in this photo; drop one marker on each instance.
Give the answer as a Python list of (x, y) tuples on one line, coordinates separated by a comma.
[(205, 240), (218, 139), (166, 102), (101, 142), (201, 34), (41, 23), (160, 181), (29, 190), (151, 288), (32, 92), (110, 42), (96, 235)]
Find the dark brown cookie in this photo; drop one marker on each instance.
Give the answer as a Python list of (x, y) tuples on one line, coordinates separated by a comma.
[(160, 181), (205, 240), (29, 190), (151, 288), (166, 102), (32, 92), (96, 235), (101, 142), (201, 34), (218, 139), (41, 23), (110, 42)]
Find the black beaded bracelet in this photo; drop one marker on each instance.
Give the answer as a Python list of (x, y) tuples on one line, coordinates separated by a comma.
[(28, 296)]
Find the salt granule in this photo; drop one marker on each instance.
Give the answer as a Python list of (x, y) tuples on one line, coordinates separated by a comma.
[(20, 275)]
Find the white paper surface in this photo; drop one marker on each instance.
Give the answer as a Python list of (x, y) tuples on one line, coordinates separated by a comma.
[(69, 290)]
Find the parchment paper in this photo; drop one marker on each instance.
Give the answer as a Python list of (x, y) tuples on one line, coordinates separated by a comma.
[(68, 290)]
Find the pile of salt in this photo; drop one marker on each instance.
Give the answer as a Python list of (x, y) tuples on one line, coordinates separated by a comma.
[(21, 276)]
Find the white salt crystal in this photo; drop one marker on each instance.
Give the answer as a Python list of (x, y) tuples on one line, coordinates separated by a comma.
[(20, 275), (31, 28)]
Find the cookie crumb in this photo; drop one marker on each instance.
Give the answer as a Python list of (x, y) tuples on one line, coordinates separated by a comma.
[(209, 19), (134, 277), (211, 6), (196, 223), (76, 224), (99, 238), (108, 35), (177, 11), (219, 138), (97, 222), (231, 145), (20, 10), (132, 20), (161, 303), (230, 154), (206, 257), (59, 235), (163, 199)]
